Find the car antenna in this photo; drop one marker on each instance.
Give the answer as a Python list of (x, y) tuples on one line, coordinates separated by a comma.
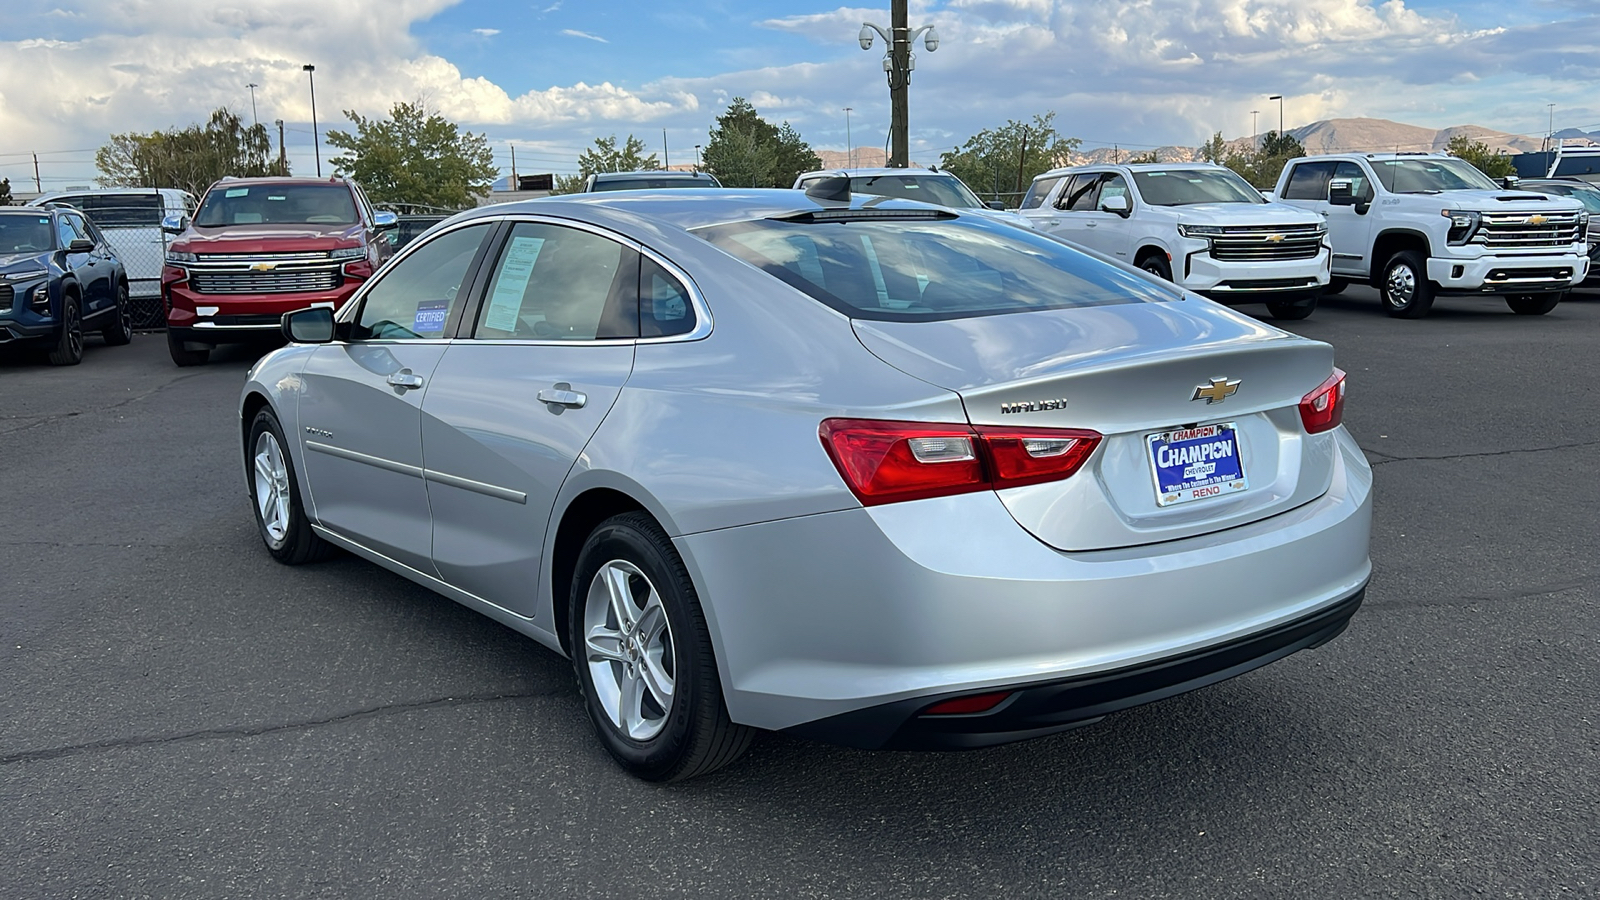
[(830, 188)]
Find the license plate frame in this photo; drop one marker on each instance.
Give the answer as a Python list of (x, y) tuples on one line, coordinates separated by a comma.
[(1203, 462)]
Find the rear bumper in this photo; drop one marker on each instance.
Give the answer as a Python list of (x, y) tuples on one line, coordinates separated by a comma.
[(1037, 709), (1508, 274)]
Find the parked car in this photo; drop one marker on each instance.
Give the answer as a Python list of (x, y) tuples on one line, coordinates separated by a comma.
[(1196, 224), (926, 185), (1418, 225), (130, 219), (654, 180), (260, 247), (59, 278), (872, 472), (1584, 192)]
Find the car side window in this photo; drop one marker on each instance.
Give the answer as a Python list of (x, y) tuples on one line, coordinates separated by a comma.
[(1080, 195), (415, 298), (1360, 185), (64, 232), (664, 307), (554, 283), (1039, 191), (1309, 181)]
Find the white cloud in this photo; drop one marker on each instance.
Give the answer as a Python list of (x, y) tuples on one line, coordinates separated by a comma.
[(573, 32), (486, 32)]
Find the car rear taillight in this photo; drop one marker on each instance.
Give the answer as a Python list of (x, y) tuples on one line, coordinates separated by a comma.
[(1323, 409), (889, 462)]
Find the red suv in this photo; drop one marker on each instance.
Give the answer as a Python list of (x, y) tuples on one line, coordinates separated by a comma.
[(261, 247)]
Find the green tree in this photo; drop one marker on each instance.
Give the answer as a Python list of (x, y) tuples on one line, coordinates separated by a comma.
[(415, 157), (5, 192), (1262, 166), (745, 150), (1214, 150), (1147, 157), (1005, 160), (1495, 165), (604, 156), (188, 158)]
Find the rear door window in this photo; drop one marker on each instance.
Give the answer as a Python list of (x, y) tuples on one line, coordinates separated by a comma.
[(554, 283), (119, 210)]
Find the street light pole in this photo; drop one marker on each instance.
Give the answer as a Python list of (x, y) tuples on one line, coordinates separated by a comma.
[(316, 142), (1253, 131), (1279, 98), (849, 148), (897, 65), (697, 157), (254, 118)]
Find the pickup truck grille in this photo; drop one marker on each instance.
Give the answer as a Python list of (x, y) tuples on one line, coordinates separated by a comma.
[(1521, 231), (270, 273), (1267, 243)]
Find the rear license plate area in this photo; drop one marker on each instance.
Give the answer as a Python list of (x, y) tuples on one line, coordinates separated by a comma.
[(1197, 463)]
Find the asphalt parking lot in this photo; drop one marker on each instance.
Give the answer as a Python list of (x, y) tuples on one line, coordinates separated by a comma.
[(184, 717)]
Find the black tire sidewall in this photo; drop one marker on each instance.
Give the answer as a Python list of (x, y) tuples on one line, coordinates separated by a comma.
[(71, 322), (299, 529), (182, 355), (120, 331), (1534, 304), (1156, 266), (629, 538), (1292, 310)]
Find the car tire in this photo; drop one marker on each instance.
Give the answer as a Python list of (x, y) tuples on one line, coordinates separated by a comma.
[(68, 349), (643, 655), (1292, 309), (1404, 289), (1157, 265), (275, 495), (181, 354), (120, 331), (1336, 286), (1533, 304)]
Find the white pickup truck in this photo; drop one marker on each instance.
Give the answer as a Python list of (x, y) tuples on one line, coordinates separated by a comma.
[(1195, 224), (1415, 225)]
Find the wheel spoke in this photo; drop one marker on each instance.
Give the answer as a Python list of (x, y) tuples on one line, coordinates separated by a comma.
[(621, 595), (264, 470), (605, 644), (653, 620), (656, 679), (631, 709)]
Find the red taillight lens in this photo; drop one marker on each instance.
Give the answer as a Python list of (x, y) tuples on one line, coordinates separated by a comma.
[(977, 703), (1323, 408), (889, 462)]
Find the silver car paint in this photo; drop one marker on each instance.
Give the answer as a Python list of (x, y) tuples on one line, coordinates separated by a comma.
[(816, 604)]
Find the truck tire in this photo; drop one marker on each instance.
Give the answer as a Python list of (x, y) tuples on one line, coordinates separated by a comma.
[(1336, 286), (1533, 304), (182, 355), (1156, 265), (1292, 309), (1404, 288)]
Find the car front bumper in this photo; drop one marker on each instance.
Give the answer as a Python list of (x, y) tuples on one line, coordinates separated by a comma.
[(1256, 281), (1508, 274), (846, 625), (227, 318)]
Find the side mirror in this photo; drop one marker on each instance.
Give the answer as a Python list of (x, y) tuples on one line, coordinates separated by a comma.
[(79, 245), (383, 221), (1342, 192), (308, 326), (174, 224), (995, 204), (1509, 181), (1118, 205)]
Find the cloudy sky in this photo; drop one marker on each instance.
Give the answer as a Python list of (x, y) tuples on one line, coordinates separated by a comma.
[(550, 76)]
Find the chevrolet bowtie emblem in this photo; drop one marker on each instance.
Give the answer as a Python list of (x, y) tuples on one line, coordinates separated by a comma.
[(1274, 238), (1217, 391), (1537, 220), (263, 267)]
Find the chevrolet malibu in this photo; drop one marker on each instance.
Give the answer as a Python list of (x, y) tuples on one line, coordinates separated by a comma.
[(860, 470)]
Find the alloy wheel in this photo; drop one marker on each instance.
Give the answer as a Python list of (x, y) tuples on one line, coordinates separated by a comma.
[(72, 323), (629, 650), (272, 487), (1402, 286)]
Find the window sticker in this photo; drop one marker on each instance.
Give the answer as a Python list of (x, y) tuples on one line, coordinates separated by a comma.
[(506, 301), (236, 192), (430, 316)]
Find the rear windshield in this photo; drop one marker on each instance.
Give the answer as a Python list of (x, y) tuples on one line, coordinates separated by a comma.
[(925, 269), (277, 204), (25, 233), (1181, 187), (650, 184), (114, 210), (942, 190)]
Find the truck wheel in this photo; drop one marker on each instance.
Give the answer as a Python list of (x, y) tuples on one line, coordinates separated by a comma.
[(68, 350), (182, 355), (1292, 309), (1336, 286), (1157, 266), (1533, 304), (1405, 289)]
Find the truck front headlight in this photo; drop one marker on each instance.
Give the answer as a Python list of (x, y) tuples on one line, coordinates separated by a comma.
[(1463, 225)]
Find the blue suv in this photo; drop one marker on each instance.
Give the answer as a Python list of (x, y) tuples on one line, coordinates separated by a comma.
[(58, 279)]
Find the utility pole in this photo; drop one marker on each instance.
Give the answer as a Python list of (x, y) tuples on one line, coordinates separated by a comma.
[(1021, 160), (1253, 131), (316, 142), (849, 148), (666, 158), (697, 157), (1279, 98), (897, 65), (283, 158), (513, 185), (254, 118), (38, 183)]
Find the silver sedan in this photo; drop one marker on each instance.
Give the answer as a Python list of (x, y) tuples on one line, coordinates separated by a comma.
[(861, 470)]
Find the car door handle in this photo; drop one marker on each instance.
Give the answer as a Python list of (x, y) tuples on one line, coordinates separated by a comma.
[(405, 380), (560, 396), (1091, 224)]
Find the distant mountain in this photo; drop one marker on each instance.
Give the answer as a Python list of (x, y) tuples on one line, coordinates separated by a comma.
[(865, 158)]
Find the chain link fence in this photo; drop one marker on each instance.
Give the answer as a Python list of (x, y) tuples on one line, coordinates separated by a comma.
[(131, 224)]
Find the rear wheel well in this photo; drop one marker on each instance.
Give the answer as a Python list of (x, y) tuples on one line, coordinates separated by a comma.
[(582, 515), (1392, 242)]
